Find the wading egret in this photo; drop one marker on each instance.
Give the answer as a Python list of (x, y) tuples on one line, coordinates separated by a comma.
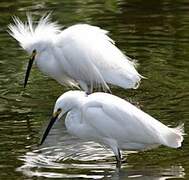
[(113, 122), (80, 55)]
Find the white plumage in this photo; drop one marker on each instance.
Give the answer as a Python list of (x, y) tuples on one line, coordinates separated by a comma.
[(112, 121), (79, 55)]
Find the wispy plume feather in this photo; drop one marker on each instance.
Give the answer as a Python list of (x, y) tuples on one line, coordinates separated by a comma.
[(29, 32)]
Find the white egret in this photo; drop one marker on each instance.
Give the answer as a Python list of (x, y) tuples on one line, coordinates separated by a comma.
[(80, 55), (114, 122)]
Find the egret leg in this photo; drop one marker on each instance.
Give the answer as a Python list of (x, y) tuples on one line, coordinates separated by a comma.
[(115, 148), (118, 159), (84, 87), (90, 91)]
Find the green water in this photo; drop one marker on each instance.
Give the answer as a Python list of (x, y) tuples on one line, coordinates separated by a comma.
[(156, 33)]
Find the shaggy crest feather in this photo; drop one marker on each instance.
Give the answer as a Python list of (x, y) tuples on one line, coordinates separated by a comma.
[(28, 33)]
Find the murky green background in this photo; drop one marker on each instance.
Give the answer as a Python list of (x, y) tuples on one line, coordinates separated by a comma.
[(156, 33)]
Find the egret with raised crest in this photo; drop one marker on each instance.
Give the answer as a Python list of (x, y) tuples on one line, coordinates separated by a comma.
[(112, 121), (81, 55)]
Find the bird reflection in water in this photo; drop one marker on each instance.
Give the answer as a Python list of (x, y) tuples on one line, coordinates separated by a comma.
[(64, 156)]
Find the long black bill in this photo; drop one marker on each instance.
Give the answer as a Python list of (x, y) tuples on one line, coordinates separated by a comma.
[(52, 121), (28, 70)]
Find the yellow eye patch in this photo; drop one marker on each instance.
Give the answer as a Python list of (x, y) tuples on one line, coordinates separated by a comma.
[(57, 112)]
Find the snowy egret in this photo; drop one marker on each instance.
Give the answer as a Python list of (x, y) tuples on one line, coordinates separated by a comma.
[(80, 55), (112, 121)]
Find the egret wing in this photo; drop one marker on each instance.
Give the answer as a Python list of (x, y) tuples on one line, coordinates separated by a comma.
[(123, 123), (93, 54), (76, 47)]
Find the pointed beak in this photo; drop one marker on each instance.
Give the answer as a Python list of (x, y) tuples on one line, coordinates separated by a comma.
[(31, 60), (52, 121)]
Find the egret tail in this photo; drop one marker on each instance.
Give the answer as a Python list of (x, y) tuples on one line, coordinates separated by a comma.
[(174, 137)]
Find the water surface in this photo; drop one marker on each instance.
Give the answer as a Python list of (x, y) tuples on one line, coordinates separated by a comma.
[(153, 32)]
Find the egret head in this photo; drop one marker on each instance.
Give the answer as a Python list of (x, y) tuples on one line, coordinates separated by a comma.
[(34, 37), (64, 104)]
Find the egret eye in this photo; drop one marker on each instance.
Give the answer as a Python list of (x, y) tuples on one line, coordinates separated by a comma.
[(59, 110), (56, 113)]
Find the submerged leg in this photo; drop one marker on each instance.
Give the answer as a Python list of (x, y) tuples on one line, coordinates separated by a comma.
[(118, 158), (115, 148)]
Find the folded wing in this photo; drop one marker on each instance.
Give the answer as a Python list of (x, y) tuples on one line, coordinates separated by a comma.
[(126, 123)]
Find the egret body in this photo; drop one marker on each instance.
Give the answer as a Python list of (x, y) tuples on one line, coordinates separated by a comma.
[(114, 122), (80, 55)]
